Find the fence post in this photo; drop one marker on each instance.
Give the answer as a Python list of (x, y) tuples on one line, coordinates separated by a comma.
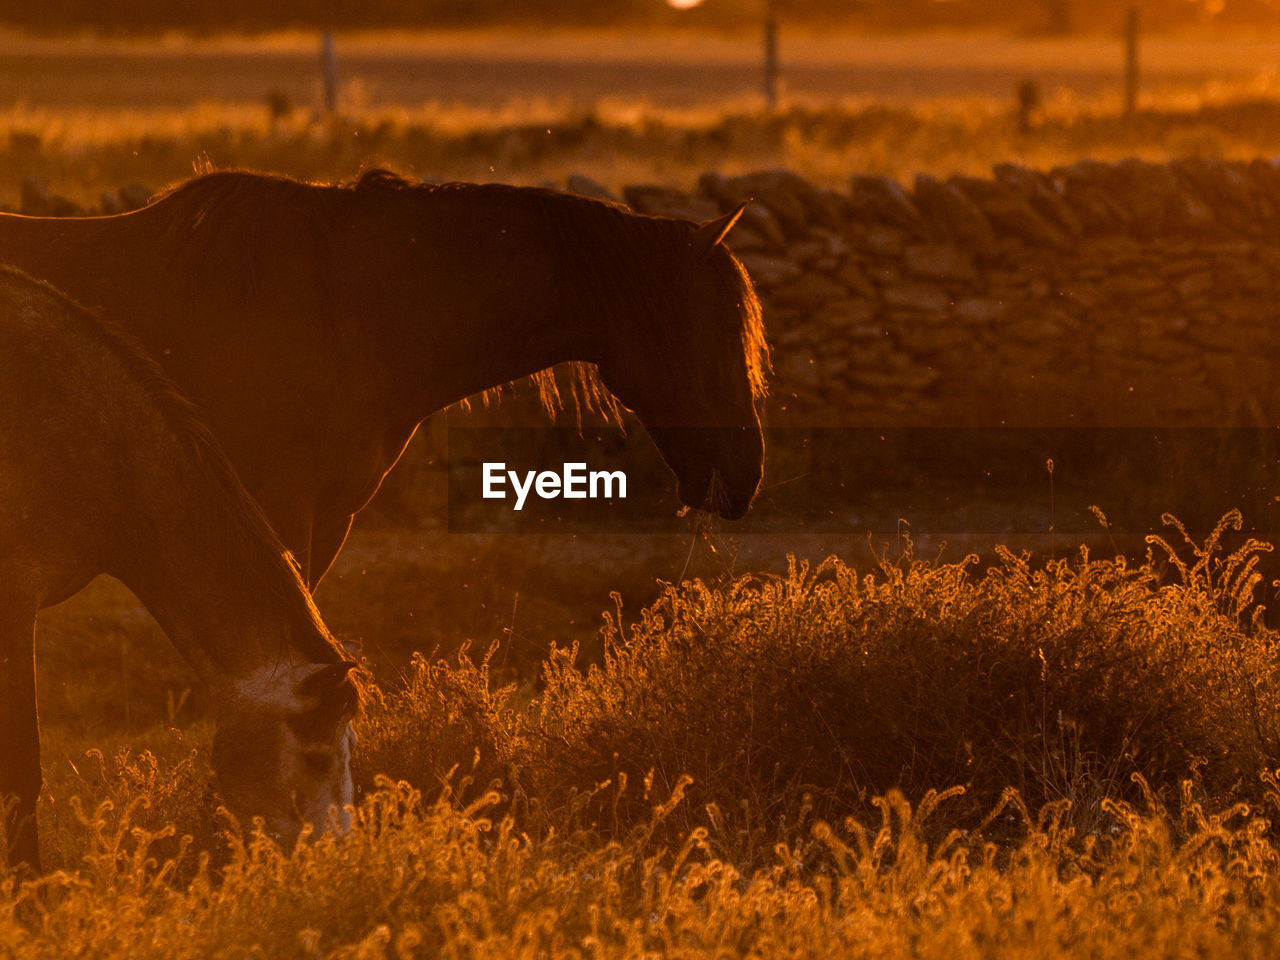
[(770, 55), (1131, 29), (329, 69)]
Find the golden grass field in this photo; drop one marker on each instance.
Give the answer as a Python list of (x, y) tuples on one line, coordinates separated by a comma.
[(878, 756), (747, 773)]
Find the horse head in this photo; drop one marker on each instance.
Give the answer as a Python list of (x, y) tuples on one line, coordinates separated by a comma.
[(691, 367), (285, 755)]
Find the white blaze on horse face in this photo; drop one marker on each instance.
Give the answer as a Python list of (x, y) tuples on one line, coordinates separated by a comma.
[(267, 767), (332, 790)]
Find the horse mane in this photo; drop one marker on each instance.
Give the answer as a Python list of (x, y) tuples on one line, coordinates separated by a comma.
[(630, 258), (180, 415)]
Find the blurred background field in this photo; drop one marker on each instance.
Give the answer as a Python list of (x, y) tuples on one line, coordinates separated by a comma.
[(87, 115)]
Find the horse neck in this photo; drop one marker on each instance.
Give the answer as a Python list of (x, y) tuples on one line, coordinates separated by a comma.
[(496, 293), (217, 586)]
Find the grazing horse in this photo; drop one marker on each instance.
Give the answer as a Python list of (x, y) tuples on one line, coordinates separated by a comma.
[(105, 469), (315, 327)]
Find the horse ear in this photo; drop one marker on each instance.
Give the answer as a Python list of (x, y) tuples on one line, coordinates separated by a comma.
[(329, 686), (709, 234), (328, 697)]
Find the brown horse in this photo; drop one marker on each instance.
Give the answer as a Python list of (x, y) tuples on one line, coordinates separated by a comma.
[(104, 469), (316, 326)]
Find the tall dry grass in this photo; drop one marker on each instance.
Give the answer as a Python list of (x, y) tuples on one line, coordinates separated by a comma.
[(1077, 758)]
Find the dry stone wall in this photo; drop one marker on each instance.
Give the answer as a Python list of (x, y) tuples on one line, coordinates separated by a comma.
[(1127, 294)]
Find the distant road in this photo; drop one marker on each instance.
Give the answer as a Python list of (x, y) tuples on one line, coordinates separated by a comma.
[(486, 70)]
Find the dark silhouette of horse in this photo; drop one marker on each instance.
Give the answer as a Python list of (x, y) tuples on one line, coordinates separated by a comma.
[(315, 327), (105, 469)]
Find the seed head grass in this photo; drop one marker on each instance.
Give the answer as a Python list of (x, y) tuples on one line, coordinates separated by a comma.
[(1071, 758)]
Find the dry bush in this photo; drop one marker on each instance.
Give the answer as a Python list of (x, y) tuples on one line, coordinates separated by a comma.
[(135, 805), (803, 696), (734, 778), (800, 697), (445, 721)]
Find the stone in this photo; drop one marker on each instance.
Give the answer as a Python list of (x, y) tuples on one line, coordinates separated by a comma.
[(585, 186), (1223, 370), (34, 200), (1009, 211), (1043, 193), (1112, 253), (760, 218), (135, 196), (1191, 212), (806, 251), (926, 297), (728, 193), (833, 243), (938, 261), (1217, 328), (981, 312), (1265, 172), (1044, 326), (883, 200), (809, 291), (1195, 287), (883, 274), (925, 334), (789, 336), (868, 356), (851, 274), (1176, 261), (796, 203), (1146, 185), (954, 215), (665, 202), (796, 371), (1099, 213), (883, 241), (62, 207), (1149, 192), (742, 237), (1136, 286), (831, 367), (1086, 296), (769, 271), (1229, 192), (1084, 186), (852, 318)]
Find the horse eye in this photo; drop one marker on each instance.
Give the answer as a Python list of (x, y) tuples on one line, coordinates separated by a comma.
[(317, 761)]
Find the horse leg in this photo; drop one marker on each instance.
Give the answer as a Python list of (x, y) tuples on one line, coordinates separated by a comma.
[(19, 734)]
